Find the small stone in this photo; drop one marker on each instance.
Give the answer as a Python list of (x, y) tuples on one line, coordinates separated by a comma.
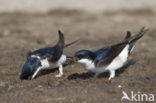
[(2, 84), (119, 86), (56, 84), (10, 87), (40, 86)]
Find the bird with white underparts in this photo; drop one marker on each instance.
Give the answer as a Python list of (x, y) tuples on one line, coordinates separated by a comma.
[(109, 58), (50, 57)]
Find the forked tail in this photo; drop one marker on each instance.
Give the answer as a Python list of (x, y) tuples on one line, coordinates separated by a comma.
[(132, 40), (136, 37)]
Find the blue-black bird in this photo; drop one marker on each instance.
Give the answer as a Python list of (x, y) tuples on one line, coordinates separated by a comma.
[(50, 57), (109, 58)]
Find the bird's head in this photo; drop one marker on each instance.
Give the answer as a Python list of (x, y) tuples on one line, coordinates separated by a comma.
[(84, 56), (31, 65)]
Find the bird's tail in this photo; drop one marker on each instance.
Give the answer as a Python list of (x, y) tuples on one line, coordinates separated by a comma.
[(132, 40), (61, 41), (136, 37), (128, 36)]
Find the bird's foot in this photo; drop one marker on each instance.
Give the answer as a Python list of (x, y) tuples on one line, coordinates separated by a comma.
[(60, 71), (59, 75), (112, 74), (110, 78)]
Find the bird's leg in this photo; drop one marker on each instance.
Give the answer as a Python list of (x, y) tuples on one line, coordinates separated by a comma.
[(60, 71), (96, 75), (36, 72), (112, 74)]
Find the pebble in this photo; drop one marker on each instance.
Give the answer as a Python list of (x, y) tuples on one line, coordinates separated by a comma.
[(2, 84), (119, 86)]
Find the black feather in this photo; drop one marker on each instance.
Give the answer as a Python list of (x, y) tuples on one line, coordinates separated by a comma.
[(108, 54), (128, 35), (136, 37), (61, 41), (52, 53)]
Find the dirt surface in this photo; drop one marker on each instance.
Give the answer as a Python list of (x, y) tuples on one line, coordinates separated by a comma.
[(21, 32)]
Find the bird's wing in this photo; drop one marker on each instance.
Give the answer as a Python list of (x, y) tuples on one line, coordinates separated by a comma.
[(47, 56), (108, 54), (51, 53)]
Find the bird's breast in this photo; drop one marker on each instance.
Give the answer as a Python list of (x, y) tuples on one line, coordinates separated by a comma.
[(124, 54), (61, 61), (87, 64), (45, 63), (120, 60), (99, 69)]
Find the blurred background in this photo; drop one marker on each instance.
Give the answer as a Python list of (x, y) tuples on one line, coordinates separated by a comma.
[(32, 24), (89, 5)]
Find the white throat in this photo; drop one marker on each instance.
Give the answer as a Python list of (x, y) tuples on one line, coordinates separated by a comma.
[(88, 64)]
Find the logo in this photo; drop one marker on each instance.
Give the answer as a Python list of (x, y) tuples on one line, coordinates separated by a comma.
[(139, 97)]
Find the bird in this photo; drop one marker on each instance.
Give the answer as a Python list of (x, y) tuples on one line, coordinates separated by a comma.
[(50, 57), (109, 58)]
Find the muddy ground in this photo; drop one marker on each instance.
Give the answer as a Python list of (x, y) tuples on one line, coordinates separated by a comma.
[(20, 32)]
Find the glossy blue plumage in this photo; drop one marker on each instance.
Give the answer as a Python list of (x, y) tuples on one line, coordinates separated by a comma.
[(33, 62), (82, 52), (101, 54), (54, 52), (109, 58), (31, 65), (97, 55)]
